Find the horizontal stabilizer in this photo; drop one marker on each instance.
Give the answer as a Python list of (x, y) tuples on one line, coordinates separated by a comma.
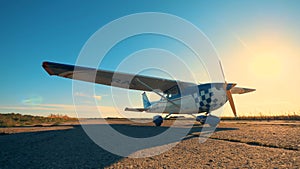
[(241, 90), (135, 109)]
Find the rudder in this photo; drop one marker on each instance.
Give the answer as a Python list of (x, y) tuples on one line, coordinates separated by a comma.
[(146, 101)]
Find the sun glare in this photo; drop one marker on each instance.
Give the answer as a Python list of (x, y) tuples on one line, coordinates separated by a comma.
[(271, 61), (266, 65), (268, 54)]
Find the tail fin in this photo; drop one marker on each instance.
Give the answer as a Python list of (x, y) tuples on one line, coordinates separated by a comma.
[(146, 101)]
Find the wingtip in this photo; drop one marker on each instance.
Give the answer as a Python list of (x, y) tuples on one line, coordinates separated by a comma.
[(47, 68)]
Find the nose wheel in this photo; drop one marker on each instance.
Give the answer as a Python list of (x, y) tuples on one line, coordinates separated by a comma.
[(211, 120)]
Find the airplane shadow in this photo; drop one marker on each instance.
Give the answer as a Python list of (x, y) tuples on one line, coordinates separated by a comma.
[(73, 148)]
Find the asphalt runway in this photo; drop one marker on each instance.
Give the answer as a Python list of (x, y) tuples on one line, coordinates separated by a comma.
[(242, 144)]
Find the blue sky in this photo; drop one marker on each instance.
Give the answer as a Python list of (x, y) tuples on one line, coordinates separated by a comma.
[(34, 31)]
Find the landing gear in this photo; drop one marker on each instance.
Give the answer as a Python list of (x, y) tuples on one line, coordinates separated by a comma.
[(167, 116), (157, 120), (211, 120), (201, 119)]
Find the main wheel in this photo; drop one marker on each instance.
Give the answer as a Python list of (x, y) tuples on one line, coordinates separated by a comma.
[(157, 120)]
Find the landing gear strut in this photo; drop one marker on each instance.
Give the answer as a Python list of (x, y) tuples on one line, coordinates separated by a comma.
[(167, 116)]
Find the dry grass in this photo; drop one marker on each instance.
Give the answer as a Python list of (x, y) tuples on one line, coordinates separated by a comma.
[(16, 119), (262, 117)]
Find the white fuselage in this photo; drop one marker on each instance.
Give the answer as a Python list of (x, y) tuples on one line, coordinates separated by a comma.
[(205, 100)]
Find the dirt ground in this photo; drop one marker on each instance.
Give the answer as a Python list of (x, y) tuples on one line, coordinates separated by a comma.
[(241, 144)]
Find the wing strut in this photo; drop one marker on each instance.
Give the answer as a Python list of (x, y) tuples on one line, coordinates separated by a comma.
[(144, 84)]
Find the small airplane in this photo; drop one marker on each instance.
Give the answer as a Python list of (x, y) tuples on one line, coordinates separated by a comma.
[(177, 97)]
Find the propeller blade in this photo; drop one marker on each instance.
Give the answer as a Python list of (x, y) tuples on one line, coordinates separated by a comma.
[(222, 70), (228, 92), (230, 99)]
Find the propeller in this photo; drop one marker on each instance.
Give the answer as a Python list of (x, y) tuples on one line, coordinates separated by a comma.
[(228, 88)]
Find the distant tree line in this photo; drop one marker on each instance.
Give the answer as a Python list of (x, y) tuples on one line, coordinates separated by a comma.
[(16, 119)]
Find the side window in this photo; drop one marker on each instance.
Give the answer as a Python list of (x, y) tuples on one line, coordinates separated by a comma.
[(172, 92)]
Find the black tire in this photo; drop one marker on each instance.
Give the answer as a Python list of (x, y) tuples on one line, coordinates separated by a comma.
[(157, 120), (158, 124), (201, 119)]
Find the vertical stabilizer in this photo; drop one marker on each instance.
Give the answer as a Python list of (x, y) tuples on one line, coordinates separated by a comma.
[(146, 101)]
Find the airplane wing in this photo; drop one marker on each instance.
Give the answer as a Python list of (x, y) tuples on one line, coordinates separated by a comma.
[(110, 78), (241, 90)]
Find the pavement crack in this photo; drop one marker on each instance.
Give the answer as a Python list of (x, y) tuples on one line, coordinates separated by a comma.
[(255, 143)]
